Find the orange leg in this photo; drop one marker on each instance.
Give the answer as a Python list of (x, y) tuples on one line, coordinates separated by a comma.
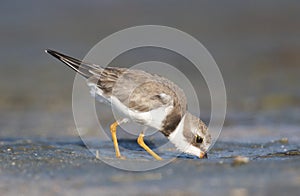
[(141, 142), (113, 130)]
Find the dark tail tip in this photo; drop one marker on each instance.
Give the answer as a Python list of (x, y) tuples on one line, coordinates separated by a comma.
[(52, 52), (71, 62), (49, 51)]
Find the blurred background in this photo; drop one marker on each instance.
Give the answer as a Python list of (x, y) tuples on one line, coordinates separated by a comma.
[(255, 44)]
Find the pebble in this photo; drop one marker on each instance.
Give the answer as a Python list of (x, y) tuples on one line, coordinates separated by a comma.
[(240, 160), (284, 140)]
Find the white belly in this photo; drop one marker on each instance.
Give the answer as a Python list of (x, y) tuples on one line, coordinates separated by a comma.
[(153, 118)]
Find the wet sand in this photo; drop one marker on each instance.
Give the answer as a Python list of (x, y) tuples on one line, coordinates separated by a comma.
[(66, 166)]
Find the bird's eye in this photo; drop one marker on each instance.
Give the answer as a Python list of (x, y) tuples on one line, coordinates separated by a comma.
[(199, 139)]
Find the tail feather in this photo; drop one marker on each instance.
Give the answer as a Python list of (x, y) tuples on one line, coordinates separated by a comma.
[(77, 65)]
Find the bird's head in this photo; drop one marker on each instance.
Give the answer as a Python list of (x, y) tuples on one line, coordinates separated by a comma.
[(191, 136)]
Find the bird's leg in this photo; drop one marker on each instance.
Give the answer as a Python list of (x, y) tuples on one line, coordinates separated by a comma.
[(113, 130), (141, 142)]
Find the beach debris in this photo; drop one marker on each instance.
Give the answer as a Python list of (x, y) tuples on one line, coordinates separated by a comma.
[(97, 154), (284, 140), (240, 160)]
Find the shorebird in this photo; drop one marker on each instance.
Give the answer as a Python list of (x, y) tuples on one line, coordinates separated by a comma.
[(147, 99)]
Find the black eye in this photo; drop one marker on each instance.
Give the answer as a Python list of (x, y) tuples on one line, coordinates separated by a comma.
[(199, 139)]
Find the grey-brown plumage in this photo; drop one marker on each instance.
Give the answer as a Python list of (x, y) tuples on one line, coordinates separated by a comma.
[(137, 89)]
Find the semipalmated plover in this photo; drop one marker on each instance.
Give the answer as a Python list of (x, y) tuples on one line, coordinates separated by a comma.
[(148, 99)]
